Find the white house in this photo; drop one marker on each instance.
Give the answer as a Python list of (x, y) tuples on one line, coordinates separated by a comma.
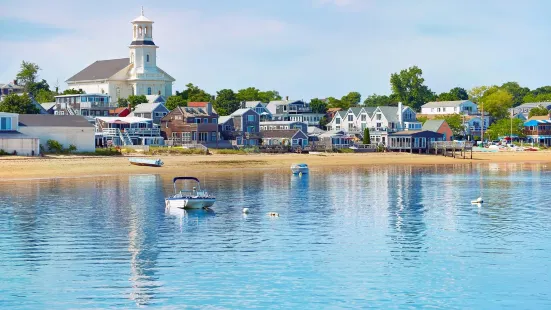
[(136, 75), (449, 107), (14, 142), (66, 129)]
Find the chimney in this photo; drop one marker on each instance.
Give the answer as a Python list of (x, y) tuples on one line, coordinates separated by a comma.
[(400, 116), (287, 98), (208, 107), (14, 82)]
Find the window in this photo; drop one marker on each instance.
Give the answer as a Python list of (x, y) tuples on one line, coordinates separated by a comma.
[(147, 59), (149, 90), (338, 120), (213, 136), (197, 121), (5, 123), (206, 120), (364, 117), (214, 121), (227, 127), (350, 117), (378, 116), (438, 110), (251, 129), (250, 118)]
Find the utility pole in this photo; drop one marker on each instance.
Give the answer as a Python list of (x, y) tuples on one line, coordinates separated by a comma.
[(482, 125)]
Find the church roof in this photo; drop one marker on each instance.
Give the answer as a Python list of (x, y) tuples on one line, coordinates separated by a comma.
[(101, 69), (142, 19)]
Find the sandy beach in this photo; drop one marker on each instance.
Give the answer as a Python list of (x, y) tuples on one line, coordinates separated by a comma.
[(81, 166)]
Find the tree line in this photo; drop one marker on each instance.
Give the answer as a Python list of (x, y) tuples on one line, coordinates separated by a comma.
[(407, 86)]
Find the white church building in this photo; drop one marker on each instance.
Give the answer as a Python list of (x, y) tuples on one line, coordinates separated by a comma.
[(137, 75)]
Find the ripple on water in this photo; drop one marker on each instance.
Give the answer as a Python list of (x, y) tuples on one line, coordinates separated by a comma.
[(403, 237)]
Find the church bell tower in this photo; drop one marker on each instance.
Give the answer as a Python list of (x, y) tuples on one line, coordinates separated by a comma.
[(142, 49)]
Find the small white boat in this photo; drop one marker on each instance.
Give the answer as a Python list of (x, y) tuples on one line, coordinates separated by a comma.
[(299, 168), (184, 198), (146, 162)]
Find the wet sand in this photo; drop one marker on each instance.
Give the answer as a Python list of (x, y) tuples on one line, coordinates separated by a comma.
[(81, 166)]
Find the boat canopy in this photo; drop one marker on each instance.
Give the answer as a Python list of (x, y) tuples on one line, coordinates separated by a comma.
[(185, 178)]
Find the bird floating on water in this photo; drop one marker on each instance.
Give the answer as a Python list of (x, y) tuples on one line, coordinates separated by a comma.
[(477, 201), (274, 214), (245, 210)]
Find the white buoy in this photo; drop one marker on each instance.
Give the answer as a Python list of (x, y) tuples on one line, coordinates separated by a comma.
[(275, 214), (477, 201), (245, 210)]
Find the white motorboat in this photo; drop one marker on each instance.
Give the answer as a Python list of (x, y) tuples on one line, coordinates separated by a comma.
[(184, 198), (299, 168)]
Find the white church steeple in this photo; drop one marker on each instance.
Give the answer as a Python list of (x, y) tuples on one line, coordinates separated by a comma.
[(142, 48)]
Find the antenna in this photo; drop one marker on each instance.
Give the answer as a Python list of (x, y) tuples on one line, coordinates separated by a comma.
[(142, 10)]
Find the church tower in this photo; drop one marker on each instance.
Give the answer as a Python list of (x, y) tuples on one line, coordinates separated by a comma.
[(142, 49)]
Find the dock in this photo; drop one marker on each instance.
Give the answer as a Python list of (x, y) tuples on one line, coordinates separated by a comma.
[(455, 149)]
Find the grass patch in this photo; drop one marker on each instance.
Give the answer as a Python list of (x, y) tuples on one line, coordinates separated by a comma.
[(346, 150), (155, 150), (241, 151), (103, 152)]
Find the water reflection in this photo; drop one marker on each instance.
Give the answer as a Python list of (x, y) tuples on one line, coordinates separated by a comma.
[(345, 237)]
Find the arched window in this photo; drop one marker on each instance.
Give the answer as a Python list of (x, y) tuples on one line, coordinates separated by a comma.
[(132, 58), (149, 90), (147, 58), (140, 30), (145, 30), (135, 31)]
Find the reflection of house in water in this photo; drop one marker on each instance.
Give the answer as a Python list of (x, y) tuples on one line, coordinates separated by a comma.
[(145, 197), (406, 213)]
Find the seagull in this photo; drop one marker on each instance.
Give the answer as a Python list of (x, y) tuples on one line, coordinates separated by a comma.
[(245, 210), (477, 201)]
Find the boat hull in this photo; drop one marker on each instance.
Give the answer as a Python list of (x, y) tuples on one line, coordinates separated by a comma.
[(189, 203), (298, 170), (144, 164)]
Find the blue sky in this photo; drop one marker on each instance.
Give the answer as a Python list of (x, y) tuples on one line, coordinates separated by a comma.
[(302, 48)]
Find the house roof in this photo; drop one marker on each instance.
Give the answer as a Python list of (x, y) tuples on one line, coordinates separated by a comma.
[(535, 122), (333, 133), (12, 134), (415, 132), (242, 111), (197, 104), (534, 105), (286, 134), (47, 105), (253, 104), (315, 130), (117, 110), (433, 125), (390, 113), (438, 104), (155, 98), (223, 119), (49, 120), (539, 118), (101, 69), (333, 109), (11, 85), (147, 107), (192, 111), (355, 110)]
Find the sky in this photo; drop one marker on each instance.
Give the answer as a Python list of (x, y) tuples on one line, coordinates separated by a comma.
[(302, 48)]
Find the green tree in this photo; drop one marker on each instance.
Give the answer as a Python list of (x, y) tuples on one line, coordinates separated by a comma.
[(502, 128), (323, 122), (476, 93), (516, 91), (173, 102), (35, 88), (455, 121), (422, 119), (44, 96), (27, 75), (73, 91), (122, 102), (408, 87), (454, 94), (134, 100), (226, 102), (193, 93), (541, 94), (351, 99), (383, 100), (367, 137), (254, 94), (267, 96), (538, 111), (496, 102), (21, 104), (333, 102), (318, 106)]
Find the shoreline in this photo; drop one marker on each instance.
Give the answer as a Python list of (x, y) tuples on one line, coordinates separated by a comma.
[(70, 166)]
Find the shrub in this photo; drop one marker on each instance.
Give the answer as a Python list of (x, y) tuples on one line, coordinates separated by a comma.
[(54, 146), (72, 148), (159, 150), (2, 152)]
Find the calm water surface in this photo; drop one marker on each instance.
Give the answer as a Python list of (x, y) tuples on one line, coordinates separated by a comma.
[(389, 237)]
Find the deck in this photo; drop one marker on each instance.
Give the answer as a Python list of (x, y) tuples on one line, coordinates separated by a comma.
[(453, 149)]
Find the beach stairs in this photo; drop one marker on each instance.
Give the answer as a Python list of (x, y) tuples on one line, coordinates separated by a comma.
[(125, 138), (71, 111)]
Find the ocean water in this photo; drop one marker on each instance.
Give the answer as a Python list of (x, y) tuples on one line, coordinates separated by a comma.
[(400, 237)]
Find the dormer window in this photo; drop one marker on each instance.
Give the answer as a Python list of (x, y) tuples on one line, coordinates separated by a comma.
[(5, 123)]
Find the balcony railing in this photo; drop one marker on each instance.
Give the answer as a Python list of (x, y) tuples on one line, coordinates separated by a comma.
[(132, 132), (537, 132)]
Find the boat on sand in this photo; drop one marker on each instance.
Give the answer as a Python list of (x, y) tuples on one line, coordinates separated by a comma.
[(146, 162)]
